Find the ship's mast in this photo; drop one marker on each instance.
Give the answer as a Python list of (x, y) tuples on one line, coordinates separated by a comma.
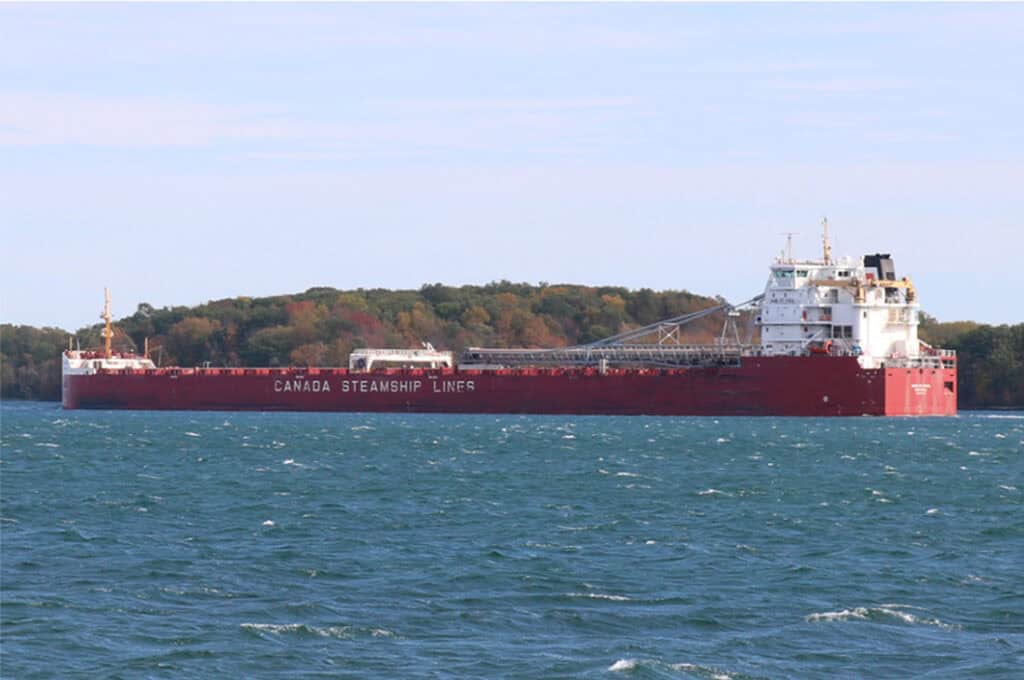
[(789, 244), (824, 240), (108, 331)]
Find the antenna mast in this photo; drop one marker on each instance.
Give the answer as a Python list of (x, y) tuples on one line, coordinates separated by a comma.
[(824, 240), (108, 332), (789, 244)]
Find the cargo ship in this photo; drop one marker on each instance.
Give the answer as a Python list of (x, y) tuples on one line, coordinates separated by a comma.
[(837, 337)]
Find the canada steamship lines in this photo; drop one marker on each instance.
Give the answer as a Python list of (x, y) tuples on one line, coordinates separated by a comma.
[(370, 385)]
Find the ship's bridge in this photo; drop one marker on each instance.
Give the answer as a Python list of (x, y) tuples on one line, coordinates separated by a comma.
[(852, 306)]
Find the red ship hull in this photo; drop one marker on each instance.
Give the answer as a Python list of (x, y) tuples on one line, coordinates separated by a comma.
[(780, 386)]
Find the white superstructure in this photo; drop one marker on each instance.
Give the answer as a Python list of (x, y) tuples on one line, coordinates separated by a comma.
[(78, 362), (363, 359), (845, 306)]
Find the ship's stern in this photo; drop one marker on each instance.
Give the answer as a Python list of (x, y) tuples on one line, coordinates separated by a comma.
[(921, 391)]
